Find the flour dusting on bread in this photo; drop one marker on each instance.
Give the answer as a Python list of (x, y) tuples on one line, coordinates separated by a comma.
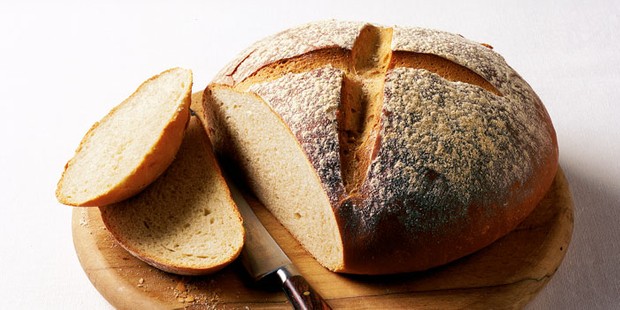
[(308, 103), (289, 43), (451, 143)]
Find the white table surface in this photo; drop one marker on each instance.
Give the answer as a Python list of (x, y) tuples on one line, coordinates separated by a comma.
[(64, 64)]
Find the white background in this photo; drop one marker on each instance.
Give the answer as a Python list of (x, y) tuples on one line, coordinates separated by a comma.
[(64, 64)]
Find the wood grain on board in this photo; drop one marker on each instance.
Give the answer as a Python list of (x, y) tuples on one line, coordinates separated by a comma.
[(506, 274)]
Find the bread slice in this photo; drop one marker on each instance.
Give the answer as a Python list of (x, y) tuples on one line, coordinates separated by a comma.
[(132, 145), (276, 167), (185, 222)]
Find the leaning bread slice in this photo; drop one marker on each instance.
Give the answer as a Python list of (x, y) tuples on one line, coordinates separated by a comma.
[(276, 168), (132, 145), (185, 222)]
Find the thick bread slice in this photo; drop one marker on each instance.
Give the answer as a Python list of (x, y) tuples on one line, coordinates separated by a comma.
[(428, 146), (276, 167), (185, 222), (132, 145)]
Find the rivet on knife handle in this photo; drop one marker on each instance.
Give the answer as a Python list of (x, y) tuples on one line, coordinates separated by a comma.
[(299, 292)]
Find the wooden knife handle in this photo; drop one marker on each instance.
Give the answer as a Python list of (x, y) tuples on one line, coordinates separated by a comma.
[(302, 295)]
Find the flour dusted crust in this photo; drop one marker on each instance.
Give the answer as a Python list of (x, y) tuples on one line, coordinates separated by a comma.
[(457, 149), (453, 158), (308, 103), (287, 44)]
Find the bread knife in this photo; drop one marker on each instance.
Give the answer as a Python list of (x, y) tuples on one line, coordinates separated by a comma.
[(262, 257)]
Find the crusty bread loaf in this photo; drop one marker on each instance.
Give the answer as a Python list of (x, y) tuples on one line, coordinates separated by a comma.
[(185, 222), (380, 149), (132, 145)]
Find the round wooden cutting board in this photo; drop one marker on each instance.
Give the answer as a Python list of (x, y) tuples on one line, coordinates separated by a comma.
[(507, 274)]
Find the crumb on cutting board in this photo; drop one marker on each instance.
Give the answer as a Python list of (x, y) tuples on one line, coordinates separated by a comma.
[(185, 292)]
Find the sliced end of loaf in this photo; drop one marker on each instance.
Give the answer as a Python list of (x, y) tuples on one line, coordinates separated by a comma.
[(132, 145), (276, 168), (185, 222)]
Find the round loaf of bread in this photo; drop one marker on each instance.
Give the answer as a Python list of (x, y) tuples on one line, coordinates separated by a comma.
[(383, 149)]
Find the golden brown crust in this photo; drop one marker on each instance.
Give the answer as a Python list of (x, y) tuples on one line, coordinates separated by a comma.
[(445, 68), (333, 56)]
